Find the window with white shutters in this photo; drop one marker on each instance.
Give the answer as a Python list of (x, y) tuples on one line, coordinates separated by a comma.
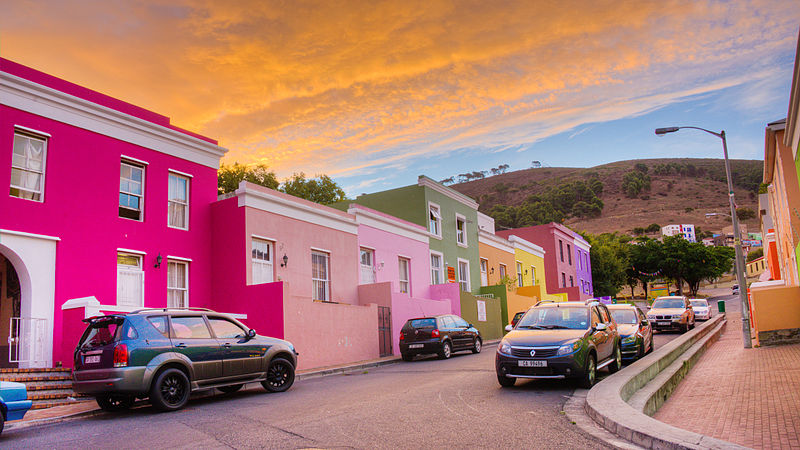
[(436, 269), (484, 272), (463, 275), (130, 280), (320, 276), (520, 282), (177, 284), (262, 259)]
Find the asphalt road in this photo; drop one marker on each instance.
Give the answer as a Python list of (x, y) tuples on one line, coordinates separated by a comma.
[(454, 403)]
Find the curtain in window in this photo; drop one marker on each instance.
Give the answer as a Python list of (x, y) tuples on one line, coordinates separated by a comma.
[(27, 165), (176, 285), (319, 276)]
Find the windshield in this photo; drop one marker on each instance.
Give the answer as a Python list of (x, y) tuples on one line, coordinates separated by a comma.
[(624, 315), (551, 317), (668, 303), (700, 303)]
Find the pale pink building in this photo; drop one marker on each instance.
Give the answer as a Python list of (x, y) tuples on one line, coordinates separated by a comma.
[(106, 207)]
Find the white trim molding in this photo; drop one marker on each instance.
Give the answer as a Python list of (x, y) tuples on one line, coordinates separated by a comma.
[(179, 258), (135, 252), (526, 246), (178, 172), (26, 95), (493, 240), (582, 244), (32, 131), (31, 235), (371, 219), (295, 208), (134, 160), (448, 192)]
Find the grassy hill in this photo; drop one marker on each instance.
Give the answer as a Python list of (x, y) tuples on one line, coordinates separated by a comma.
[(683, 196)]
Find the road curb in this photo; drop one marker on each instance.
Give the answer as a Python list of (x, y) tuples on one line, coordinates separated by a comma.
[(12, 426), (608, 402)]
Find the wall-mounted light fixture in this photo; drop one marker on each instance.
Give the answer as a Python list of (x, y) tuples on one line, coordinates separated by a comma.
[(285, 260), (492, 271), (526, 271), (158, 261)]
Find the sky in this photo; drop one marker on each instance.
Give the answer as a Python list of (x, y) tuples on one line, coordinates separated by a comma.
[(375, 93)]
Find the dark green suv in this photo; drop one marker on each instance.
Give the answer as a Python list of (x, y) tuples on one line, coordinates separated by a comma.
[(165, 354)]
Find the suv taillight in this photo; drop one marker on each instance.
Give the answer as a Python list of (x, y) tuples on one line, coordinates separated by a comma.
[(435, 333), (401, 336), (121, 355)]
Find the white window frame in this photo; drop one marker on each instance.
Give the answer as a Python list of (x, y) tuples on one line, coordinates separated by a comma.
[(143, 168), (267, 264), (316, 280), (184, 290), (130, 270), (366, 270), (503, 270), (437, 213), (440, 272), (533, 275), (404, 284), (170, 201), (44, 138), (461, 236), (520, 281), (484, 272), (464, 284)]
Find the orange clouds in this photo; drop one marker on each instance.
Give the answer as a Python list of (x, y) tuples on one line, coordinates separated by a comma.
[(335, 87)]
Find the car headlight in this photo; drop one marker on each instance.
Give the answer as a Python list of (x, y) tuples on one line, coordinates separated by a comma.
[(629, 339), (504, 347), (677, 316), (566, 349)]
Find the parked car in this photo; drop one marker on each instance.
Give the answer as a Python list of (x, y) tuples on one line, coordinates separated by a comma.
[(735, 289), (559, 340), (635, 331), (516, 318), (14, 402), (701, 309), (671, 312), (165, 354), (441, 335)]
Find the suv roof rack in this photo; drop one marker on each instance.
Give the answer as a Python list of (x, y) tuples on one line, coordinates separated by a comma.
[(188, 308), (544, 301)]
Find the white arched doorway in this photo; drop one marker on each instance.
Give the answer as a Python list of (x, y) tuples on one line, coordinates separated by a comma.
[(26, 324)]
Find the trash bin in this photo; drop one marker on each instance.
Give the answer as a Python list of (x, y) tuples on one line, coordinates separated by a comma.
[(721, 306)]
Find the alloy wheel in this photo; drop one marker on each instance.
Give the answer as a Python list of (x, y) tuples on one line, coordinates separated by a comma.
[(173, 389), (278, 374)]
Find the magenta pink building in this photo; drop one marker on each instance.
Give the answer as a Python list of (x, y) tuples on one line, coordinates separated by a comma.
[(106, 206), (568, 264)]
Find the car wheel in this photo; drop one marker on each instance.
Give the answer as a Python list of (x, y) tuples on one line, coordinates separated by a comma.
[(650, 350), (280, 375), (2, 423), (230, 389), (170, 391), (505, 381), (589, 373), (640, 353), (691, 326), (617, 364), (114, 402), (476, 347), (446, 351), (407, 357)]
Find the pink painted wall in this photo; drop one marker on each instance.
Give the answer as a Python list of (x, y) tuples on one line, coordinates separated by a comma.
[(448, 292), (326, 334)]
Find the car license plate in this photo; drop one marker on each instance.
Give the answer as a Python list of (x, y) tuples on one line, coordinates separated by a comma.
[(664, 324), (416, 346), (91, 359), (532, 363)]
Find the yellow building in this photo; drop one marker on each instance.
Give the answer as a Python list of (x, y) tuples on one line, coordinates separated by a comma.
[(529, 270), (756, 267)]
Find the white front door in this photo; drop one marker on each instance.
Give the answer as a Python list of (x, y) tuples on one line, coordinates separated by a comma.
[(367, 266)]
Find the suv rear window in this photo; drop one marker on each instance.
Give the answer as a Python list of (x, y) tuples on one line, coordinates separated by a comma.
[(422, 323), (101, 332)]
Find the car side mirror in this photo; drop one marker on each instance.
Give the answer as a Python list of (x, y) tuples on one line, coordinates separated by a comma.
[(600, 327), (509, 327), (251, 333), (469, 325), (645, 323)]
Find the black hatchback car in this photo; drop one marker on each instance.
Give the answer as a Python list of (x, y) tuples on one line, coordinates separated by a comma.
[(442, 335), (165, 354), (560, 340)]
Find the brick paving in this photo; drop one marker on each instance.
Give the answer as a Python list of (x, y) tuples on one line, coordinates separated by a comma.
[(749, 397)]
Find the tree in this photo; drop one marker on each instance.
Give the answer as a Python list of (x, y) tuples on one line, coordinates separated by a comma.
[(609, 257), (755, 254), (641, 167), (321, 189), (745, 213), (653, 228), (645, 256), (229, 176), (635, 182)]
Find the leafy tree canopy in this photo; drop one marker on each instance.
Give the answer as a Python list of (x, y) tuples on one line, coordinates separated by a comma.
[(229, 176), (321, 189)]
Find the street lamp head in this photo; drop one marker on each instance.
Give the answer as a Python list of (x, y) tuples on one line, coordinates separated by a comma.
[(663, 131)]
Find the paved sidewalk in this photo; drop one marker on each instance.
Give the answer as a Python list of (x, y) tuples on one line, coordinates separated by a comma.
[(749, 397)]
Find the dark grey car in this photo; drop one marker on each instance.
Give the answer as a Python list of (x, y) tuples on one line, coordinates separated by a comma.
[(165, 354)]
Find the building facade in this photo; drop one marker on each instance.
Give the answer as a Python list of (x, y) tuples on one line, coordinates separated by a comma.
[(685, 230)]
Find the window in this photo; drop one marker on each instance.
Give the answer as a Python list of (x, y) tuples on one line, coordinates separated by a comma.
[(571, 282), (320, 276), (27, 166), (463, 275), (563, 279), (561, 249), (404, 264), (533, 275), (178, 202), (569, 254), (225, 329), (502, 271), (177, 284), (192, 327), (520, 282), (434, 219), (367, 266), (130, 280), (160, 324), (436, 268), (460, 322), (595, 317), (484, 272), (262, 259), (461, 230), (131, 191)]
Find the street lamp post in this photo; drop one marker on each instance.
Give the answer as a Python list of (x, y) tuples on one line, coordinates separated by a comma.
[(737, 235)]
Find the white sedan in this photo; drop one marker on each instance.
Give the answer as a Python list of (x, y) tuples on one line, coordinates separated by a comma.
[(701, 309)]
